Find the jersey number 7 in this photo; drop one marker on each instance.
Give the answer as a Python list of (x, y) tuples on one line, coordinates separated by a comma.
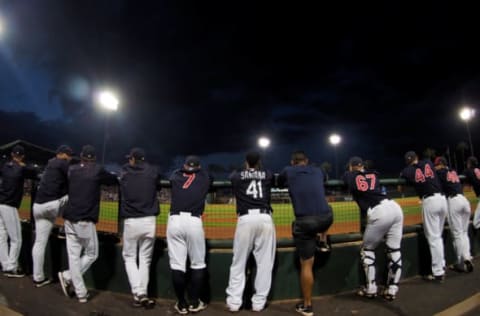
[(190, 178)]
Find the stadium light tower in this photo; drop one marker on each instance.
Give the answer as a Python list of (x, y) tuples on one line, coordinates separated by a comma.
[(109, 102), (466, 114), (335, 140)]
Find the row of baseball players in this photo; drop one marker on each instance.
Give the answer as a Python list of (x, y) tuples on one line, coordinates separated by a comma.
[(254, 233)]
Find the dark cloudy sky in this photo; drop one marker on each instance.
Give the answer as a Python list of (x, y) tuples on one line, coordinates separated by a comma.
[(210, 77)]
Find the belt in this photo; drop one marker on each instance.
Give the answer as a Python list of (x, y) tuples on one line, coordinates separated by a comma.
[(454, 195), (254, 211), (430, 195), (380, 202), (184, 213)]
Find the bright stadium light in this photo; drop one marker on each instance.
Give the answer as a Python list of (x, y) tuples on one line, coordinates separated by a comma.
[(263, 142), (108, 100), (2, 27), (466, 114), (335, 139)]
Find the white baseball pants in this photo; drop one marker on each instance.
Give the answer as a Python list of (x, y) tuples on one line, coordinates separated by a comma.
[(10, 228), (458, 219), (80, 236), (434, 212), (185, 237), (476, 216), (138, 234), (45, 215), (254, 232)]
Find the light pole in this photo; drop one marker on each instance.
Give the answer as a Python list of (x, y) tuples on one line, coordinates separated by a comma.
[(264, 143), (109, 102), (335, 140), (2, 27), (466, 114)]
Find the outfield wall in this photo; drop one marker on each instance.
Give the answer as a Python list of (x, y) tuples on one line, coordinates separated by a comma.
[(335, 272)]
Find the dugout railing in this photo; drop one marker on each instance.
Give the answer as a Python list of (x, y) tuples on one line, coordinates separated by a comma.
[(220, 218)]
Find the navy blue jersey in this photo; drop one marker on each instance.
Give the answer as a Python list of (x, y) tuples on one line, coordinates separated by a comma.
[(53, 184), (11, 186), (189, 190), (365, 188), (306, 188), (472, 176), (84, 180), (252, 189), (422, 176), (139, 185), (450, 181)]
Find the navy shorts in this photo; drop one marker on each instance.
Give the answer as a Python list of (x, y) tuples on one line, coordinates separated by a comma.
[(305, 230)]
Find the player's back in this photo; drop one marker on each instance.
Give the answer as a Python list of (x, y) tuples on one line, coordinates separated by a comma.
[(252, 189), (365, 188), (53, 184), (189, 190), (473, 177), (450, 182), (422, 176), (11, 186)]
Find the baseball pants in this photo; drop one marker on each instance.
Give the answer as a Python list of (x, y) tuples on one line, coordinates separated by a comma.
[(458, 218), (45, 215), (9, 229), (434, 212), (185, 237), (138, 234), (254, 232), (80, 235), (383, 220), (476, 216)]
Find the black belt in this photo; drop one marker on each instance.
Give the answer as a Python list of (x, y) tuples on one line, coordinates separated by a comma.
[(379, 203), (430, 194), (178, 213), (254, 211), (454, 195)]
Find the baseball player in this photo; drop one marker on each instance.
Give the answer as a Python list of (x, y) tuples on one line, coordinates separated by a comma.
[(81, 215), (472, 175), (458, 215), (312, 216), (185, 235), (51, 196), (255, 232), (13, 174), (421, 175), (384, 220), (139, 183)]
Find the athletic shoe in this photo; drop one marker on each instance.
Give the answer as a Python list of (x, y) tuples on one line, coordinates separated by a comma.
[(136, 301), (84, 299), (14, 273), (388, 296), (435, 278), (363, 293), (468, 266), (323, 247), (65, 284), (199, 306), (457, 267), (233, 309), (146, 302), (181, 308), (42, 282), (304, 310), (258, 308)]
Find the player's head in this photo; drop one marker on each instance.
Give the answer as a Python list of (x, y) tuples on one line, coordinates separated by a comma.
[(472, 162), (440, 163), (18, 153), (410, 157), (355, 163), (64, 152), (299, 158), (192, 163), (88, 153), (252, 159), (136, 155)]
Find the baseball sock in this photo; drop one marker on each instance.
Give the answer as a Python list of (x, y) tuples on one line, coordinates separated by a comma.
[(197, 276), (179, 284)]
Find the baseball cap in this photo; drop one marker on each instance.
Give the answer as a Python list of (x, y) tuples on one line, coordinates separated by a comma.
[(18, 150), (355, 161), (88, 152), (410, 156), (440, 161), (137, 153), (192, 162), (252, 158), (64, 149)]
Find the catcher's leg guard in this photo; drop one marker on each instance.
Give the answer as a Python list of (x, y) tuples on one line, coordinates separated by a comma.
[(394, 270), (368, 263)]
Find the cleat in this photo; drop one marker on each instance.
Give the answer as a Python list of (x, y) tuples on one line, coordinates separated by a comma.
[(181, 308), (363, 293), (66, 285), (457, 267), (136, 301), (41, 282), (199, 306), (14, 274), (435, 278), (304, 310), (84, 299), (468, 266)]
